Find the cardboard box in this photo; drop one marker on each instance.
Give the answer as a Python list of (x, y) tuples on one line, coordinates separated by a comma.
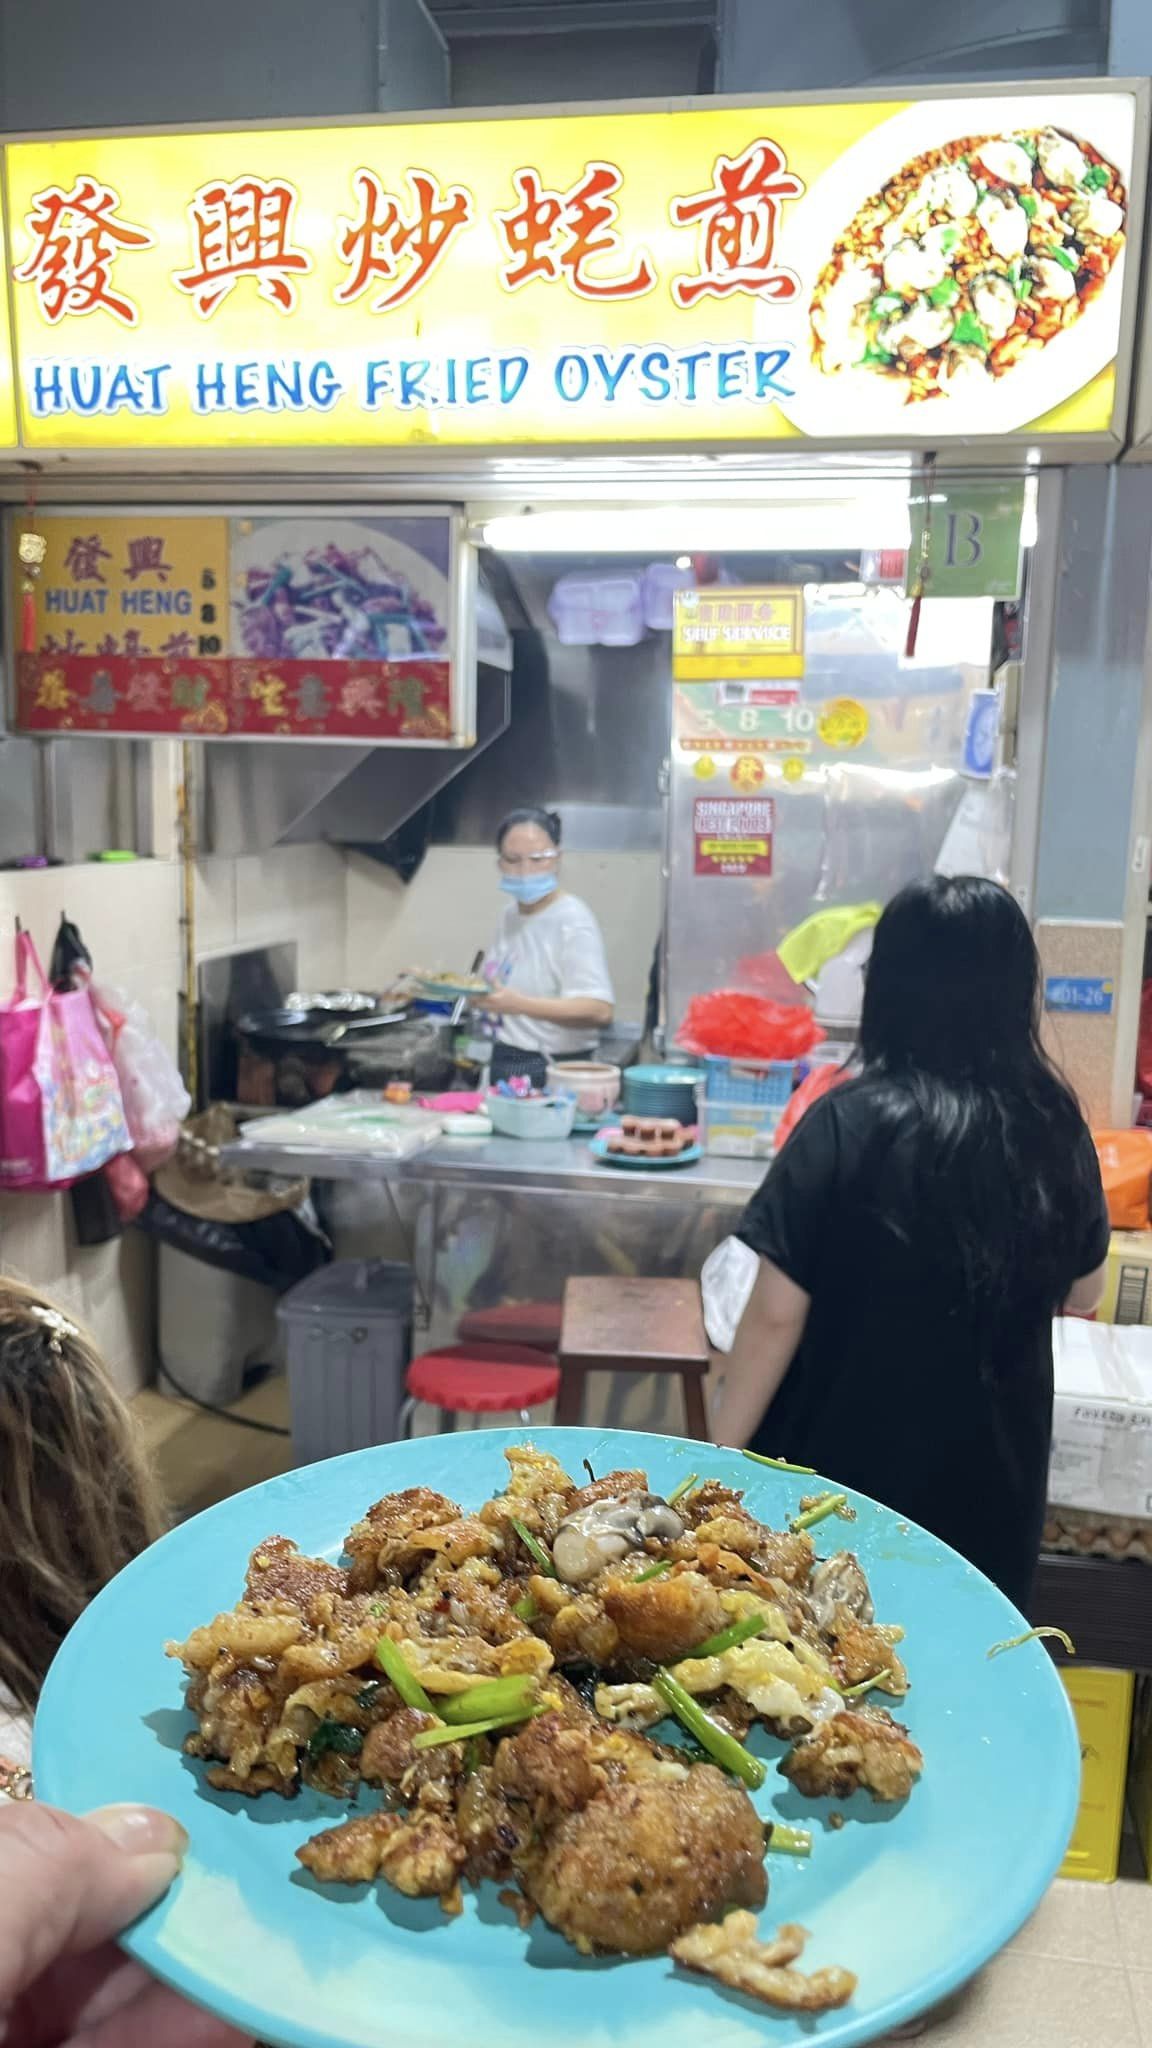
[(1102, 1421), (1128, 1281)]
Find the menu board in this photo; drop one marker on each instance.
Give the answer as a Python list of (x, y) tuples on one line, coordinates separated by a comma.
[(319, 626)]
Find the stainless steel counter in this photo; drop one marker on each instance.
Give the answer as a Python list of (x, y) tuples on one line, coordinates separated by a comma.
[(564, 1167), (488, 1221)]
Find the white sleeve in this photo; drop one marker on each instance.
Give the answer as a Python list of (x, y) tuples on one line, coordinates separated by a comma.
[(584, 970), (726, 1282)]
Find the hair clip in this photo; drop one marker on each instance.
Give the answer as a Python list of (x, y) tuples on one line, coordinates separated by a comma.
[(58, 1326)]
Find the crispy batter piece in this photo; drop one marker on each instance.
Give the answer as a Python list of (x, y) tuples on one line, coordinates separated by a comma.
[(733, 1953), (865, 1652), (663, 1619), (388, 1757), (277, 1572), (862, 1749), (387, 1539), (419, 1853)]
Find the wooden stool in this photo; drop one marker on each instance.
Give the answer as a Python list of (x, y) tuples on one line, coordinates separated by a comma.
[(534, 1323), (612, 1325)]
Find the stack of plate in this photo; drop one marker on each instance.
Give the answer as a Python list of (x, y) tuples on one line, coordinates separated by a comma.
[(662, 1091)]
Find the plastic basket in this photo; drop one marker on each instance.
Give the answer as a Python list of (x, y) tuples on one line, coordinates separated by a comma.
[(765, 1082), (739, 1130)]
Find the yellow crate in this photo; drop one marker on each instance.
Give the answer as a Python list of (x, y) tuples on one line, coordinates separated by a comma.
[(1102, 1703), (1140, 1772)]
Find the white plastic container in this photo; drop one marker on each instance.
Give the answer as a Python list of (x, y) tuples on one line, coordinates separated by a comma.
[(595, 1084), (548, 1117), (739, 1130)]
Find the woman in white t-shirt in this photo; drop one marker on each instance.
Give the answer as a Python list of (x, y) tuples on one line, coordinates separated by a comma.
[(551, 990)]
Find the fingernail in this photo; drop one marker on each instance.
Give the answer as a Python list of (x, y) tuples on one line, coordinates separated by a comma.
[(141, 1830)]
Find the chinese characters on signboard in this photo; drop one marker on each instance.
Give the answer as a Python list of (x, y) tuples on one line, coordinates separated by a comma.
[(623, 276), (321, 628), (730, 633)]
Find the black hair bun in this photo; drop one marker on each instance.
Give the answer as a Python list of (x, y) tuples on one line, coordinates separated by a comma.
[(531, 814)]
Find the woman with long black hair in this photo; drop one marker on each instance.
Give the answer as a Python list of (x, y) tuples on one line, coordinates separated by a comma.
[(914, 1239)]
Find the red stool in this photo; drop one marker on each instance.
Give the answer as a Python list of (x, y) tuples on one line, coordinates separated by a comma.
[(535, 1323), (479, 1379)]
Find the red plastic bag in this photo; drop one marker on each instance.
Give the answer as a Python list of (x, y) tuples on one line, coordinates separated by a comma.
[(737, 1026), (814, 1085)]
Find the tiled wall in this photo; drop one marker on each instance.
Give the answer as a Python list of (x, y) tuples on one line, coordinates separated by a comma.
[(1087, 1048), (453, 904), (130, 917), (352, 921)]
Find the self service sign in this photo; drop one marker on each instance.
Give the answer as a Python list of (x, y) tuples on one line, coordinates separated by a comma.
[(915, 271)]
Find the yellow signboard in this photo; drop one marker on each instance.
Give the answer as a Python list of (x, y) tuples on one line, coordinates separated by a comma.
[(714, 274), (7, 390), (138, 586), (727, 634)]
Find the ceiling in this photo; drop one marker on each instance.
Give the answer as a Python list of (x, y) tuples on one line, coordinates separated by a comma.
[(558, 17)]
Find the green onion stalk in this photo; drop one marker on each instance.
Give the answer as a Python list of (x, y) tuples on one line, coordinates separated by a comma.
[(866, 1685), (496, 1696), (729, 1638), (1034, 1635), (395, 1666), (831, 1504), (722, 1747), (434, 1738), (780, 1464), (786, 1841), (535, 1549)]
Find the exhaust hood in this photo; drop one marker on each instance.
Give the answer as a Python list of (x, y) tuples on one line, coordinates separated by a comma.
[(260, 794)]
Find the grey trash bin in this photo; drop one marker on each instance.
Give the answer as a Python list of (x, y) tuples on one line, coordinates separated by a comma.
[(349, 1334)]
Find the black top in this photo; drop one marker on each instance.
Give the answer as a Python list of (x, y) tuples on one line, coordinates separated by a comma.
[(895, 1389)]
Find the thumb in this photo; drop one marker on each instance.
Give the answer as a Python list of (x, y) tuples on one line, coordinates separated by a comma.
[(69, 1884)]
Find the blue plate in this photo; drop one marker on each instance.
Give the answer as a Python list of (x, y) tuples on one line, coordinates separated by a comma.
[(599, 1150), (914, 1899)]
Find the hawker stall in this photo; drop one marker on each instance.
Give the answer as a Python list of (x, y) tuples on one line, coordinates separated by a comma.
[(717, 499)]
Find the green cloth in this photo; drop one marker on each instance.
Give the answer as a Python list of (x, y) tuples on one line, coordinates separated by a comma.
[(809, 948)]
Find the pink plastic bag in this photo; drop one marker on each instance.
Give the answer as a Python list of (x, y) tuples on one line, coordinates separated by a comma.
[(61, 1114), (21, 1119)]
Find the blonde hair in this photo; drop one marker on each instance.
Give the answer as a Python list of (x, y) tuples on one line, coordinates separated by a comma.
[(77, 1501)]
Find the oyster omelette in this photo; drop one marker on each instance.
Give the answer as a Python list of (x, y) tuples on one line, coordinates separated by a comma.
[(969, 261), (483, 1693)]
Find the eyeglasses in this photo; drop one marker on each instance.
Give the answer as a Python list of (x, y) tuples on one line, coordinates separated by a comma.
[(526, 863)]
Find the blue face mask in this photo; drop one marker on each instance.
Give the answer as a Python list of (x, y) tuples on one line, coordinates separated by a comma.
[(528, 888)]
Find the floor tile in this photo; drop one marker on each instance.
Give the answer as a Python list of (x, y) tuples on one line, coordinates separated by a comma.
[(1074, 1923), (1141, 1988), (1132, 1904), (201, 1458), (1025, 2001)]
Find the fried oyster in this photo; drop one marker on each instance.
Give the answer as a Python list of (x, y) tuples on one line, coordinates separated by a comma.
[(426, 1676)]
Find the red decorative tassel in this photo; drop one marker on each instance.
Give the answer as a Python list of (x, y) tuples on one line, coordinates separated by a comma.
[(913, 626), (28, 619)]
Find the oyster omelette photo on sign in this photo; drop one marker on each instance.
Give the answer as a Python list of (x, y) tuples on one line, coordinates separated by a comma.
[(970, 284)]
